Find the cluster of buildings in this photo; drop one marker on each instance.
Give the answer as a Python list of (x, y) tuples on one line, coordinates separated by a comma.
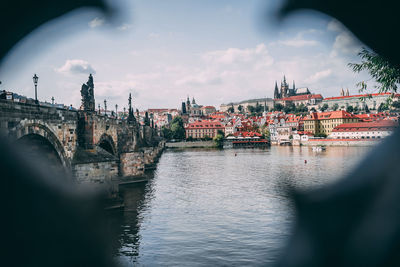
[(334, 122), (286, 96)]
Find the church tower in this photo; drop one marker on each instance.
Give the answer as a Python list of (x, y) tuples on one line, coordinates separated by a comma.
[(276, 91), (284, 87), (188, 105)]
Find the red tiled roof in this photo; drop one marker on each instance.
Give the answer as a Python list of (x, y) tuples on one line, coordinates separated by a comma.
[(367, 126), (204, 124), (247, 134), (339, 114), (358, 96), (209, 107), (301, 97)]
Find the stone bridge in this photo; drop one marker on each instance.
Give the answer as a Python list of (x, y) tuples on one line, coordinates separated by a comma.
[(88, 146)]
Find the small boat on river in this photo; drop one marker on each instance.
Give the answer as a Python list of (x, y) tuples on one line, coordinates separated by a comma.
[(318, 148)]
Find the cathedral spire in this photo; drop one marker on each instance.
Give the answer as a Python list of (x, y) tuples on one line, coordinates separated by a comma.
[(276, 91), (294, 86)]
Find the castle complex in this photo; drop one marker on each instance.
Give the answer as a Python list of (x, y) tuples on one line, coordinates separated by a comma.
[(285, 91)]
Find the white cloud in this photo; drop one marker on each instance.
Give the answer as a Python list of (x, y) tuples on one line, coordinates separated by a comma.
[(318, 76), (256, 57), (124, 27), (296, 42), (345, 43), (76, 66), (153, 35), (200, 79), (335, 26), (96, 22)]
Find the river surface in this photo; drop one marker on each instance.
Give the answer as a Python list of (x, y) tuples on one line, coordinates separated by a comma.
[(220, 207)]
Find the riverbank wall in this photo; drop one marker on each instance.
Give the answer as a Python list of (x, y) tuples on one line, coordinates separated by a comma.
[(198, 144), (337, 142)]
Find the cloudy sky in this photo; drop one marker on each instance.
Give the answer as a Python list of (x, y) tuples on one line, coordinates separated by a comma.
[(163, 50)]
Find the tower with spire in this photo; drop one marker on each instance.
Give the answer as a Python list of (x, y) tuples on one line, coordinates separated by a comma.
[(276, 91), (188, 105), (284, 88)]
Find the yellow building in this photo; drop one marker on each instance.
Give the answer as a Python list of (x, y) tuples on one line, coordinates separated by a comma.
[(324, 122)]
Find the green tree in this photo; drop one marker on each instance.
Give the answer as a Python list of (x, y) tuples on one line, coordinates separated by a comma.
[(383, 107), (278, 107), (166, 132), (266, 133), (219, 139), (177, 128), (366, 108), (385, 75), (251, 109), (240, 108), (335, 106), (259, 108), (301, 108), (324, 107), (350, 109), (396, 104)]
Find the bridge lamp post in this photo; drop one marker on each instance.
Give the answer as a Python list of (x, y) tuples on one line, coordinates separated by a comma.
[(99, 110), (116, 111), (35, 82), (105, 107)]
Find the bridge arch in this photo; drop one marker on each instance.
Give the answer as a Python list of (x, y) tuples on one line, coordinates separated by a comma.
[(107, 143), (41, 135)]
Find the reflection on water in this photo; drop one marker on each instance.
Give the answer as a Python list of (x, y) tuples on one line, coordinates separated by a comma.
[(210, 207)]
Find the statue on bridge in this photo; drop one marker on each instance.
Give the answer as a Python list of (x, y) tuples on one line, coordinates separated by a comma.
[(87, 93), (131, 116)]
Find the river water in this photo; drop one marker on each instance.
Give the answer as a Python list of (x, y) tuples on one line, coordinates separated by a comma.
[(220, 207)]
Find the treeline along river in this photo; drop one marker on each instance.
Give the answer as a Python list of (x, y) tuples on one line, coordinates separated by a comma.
[(205, 207)]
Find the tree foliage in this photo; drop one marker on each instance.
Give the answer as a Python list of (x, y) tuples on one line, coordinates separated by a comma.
[(396, 104), (278, 107), (251, 109), (219, 139), (386, 75), (350, 109), (324, 107)]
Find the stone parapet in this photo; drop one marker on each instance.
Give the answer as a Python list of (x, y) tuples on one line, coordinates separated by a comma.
[(131, 164)]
